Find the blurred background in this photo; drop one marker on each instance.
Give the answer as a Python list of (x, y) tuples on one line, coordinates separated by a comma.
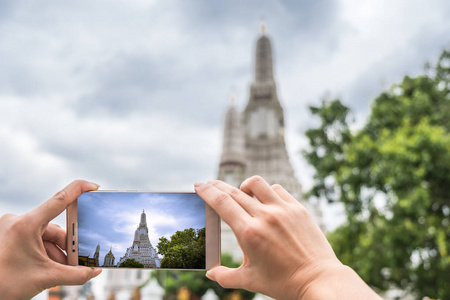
[(133, 95)]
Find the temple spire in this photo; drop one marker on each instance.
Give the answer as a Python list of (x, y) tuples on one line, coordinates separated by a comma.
[(233, 100), (263, 61), (97, 255), (136, 235), (143, 219), (263, 27), (232, 160)]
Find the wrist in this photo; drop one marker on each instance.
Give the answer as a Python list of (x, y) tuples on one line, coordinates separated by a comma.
[(8, 291), (11, 288), (336, 281)]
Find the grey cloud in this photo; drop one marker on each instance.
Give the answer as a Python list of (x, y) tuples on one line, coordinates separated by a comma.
[(18, 79), (426, 46), (149, 167), (23, 183), (304, 16), (193, 82), (130, 84), (297, 27), (126, 84)]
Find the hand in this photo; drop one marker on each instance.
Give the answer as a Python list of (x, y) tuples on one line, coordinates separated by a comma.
[(31, 256), (286, 255)]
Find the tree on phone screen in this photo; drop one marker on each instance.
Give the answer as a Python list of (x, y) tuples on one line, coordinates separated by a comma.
[(184, 250), (131, 263)]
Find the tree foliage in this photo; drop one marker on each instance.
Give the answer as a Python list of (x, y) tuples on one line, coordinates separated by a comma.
[(131, 263), (184, 250), (393, 177)]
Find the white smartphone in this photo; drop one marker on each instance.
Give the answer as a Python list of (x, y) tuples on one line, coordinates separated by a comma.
[(152, 230)]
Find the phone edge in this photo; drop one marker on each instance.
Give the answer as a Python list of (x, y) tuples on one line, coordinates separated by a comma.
[(212, 237), (72, 233)]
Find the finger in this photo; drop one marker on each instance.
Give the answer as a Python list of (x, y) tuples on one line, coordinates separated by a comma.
[(247, 202), (227, 277), (55, 234), (55, 253), (74, 275), (225, 206), (246, 191), (51, 208), (257, 186), (283, 194)]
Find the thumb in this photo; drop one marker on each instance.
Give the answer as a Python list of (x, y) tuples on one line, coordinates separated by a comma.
[(227, 277), (51, 208), (75, 275)]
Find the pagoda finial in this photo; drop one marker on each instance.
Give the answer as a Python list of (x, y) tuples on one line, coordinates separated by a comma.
[(263, 27), (143, 211), (233, 100)]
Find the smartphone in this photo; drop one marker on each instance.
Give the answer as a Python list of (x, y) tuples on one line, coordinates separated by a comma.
[(152, 230)]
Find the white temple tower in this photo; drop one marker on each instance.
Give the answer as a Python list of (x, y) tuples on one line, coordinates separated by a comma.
[(232, 161), (253, 141), (142, 250), (265, 147), (97, 256), (120, 283)]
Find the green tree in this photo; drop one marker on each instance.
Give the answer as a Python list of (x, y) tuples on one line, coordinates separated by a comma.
[(393, 178), (131, 263), (184, 250)]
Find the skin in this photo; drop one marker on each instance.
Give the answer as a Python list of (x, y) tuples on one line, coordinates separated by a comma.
[(286, 255), (31, 256)]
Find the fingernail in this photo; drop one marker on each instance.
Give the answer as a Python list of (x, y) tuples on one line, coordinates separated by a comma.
[(96, 272), (209, 275), (198, 184), (95, 185)]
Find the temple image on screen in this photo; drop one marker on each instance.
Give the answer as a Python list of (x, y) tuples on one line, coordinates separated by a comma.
[(141, 230), (142, 250)]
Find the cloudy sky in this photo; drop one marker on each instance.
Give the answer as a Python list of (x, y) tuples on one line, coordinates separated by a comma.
[(132, 94), (110, 219)]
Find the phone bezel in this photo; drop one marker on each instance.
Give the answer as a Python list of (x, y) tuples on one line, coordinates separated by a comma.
[(212, 232)]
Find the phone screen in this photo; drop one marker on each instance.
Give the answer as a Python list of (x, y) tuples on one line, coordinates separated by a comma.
[(141, 230)]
